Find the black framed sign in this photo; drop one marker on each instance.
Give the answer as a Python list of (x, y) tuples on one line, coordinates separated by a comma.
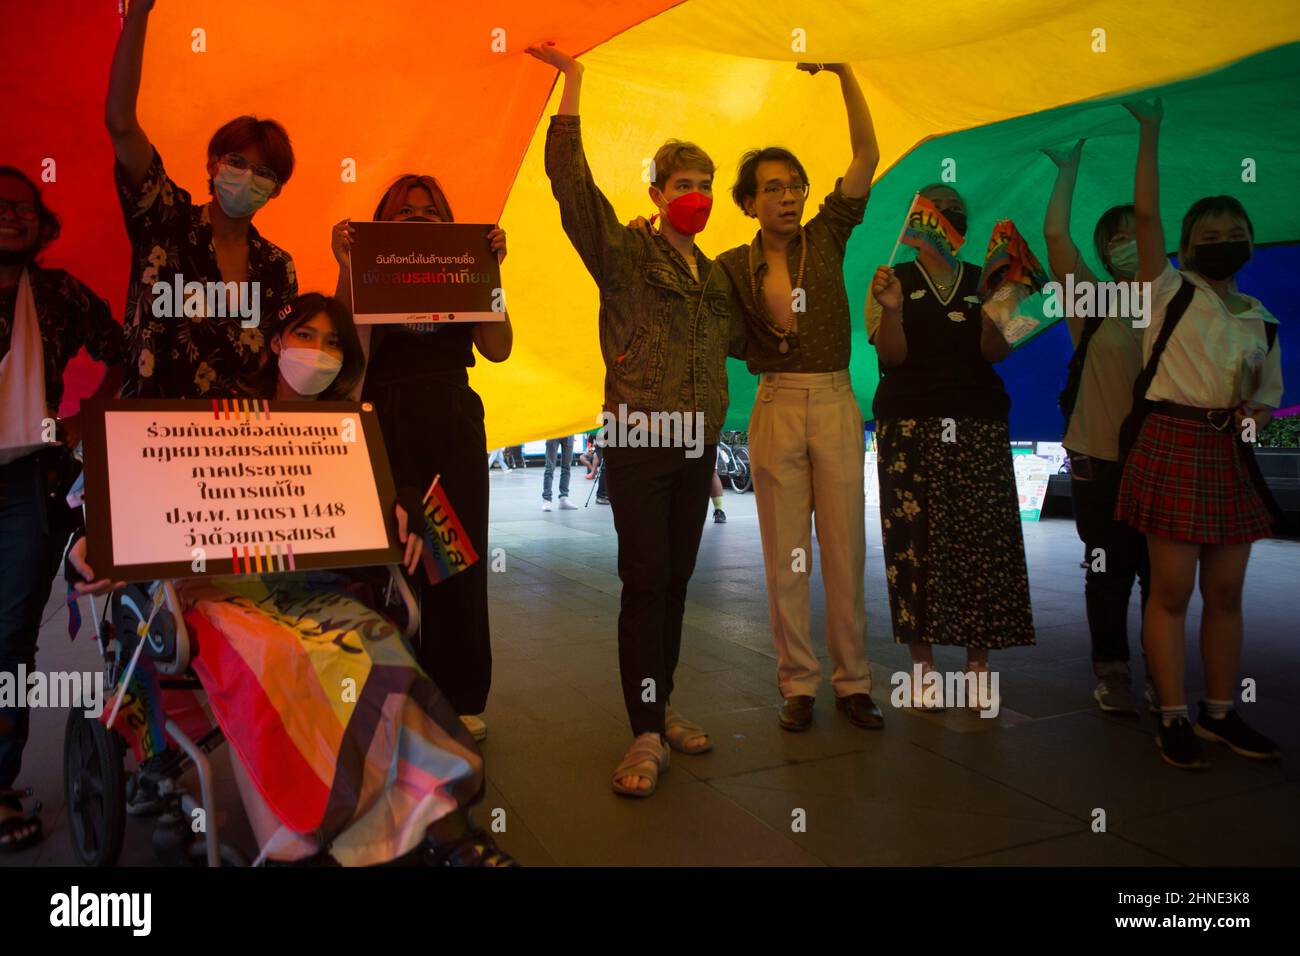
[(183, 488), (425, 272)]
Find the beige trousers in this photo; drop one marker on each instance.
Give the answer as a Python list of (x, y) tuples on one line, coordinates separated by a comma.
[(806, 452)]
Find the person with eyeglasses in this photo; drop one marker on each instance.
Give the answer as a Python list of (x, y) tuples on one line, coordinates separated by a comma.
[(180, 349), (46, 316), (806, 429)]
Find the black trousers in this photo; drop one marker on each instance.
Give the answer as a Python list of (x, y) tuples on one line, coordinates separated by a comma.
[(30, 549), (434, 426), (660, 500), (1123, 551)]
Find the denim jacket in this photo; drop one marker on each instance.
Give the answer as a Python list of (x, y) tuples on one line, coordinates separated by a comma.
[(664, 335)]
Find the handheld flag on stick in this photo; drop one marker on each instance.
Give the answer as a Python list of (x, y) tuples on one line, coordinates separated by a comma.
[(925, 226), (1011, 274), (447, 548), (139, 701)]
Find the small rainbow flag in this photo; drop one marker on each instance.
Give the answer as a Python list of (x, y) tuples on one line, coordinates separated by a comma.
[(447, 548), (139, 719), (926, 226), (1009, 259)]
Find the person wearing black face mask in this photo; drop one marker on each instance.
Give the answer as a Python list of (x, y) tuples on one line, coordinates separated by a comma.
[(46, 316), (1191, 484), (954, 548), (432, 421)]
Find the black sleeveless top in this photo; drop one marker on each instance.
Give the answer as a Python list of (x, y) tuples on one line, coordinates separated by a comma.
[(398, 353), (944, 375)]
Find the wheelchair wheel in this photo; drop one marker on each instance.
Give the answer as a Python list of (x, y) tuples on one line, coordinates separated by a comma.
[(94, 787), (741, 478)]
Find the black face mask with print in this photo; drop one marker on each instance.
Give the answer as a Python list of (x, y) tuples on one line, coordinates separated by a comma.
[(1219, 260)]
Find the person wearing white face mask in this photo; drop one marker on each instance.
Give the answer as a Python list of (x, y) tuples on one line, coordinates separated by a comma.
[(316, 354), (196, 347), (1097, 398)]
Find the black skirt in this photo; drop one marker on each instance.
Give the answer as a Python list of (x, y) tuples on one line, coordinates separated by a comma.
[(950, 518), (433, 425)]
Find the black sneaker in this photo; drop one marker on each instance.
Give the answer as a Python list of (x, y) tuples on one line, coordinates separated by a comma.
[(719, 516), (1230, 729), (1179, 746), (601, 500)]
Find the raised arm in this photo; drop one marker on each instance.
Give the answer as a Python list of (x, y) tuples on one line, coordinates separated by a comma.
[(1063, 256), (588, 218), (862, 133), (1146, 192), (130, 144)]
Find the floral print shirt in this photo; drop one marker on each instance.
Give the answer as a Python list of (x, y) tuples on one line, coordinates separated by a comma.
[(177, 349), (70, 316)]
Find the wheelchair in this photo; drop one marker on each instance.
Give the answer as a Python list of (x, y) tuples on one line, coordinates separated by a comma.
[(97, 786)]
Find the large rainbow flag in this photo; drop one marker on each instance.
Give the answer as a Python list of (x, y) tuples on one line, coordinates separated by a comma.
[(338, 728)]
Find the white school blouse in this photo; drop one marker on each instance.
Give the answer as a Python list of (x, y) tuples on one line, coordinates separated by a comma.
[(1214, 359)]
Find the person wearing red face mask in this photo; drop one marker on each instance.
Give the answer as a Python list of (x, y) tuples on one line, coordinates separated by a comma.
[(806, 431), (668, 319)]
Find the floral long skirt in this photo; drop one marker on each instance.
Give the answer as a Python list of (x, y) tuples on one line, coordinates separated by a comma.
[(950, 518)]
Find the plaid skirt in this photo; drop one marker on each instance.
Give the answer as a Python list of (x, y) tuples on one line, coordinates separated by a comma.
[(1185, 480)]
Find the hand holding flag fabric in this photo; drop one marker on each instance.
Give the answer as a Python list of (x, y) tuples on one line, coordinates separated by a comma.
[(1011, 274)]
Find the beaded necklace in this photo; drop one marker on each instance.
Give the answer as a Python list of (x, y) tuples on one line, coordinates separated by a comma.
[(784, 347)]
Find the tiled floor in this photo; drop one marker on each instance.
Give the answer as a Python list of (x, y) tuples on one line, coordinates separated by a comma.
[(930, 789)]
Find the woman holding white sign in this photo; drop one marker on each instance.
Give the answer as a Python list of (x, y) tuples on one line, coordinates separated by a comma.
[(354, 757), (432, 422)]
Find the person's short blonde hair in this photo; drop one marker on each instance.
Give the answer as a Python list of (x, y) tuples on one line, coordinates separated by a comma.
[(676, 155)]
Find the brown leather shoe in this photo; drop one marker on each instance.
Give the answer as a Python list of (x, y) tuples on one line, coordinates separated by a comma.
[(796, 713), (861, 710)]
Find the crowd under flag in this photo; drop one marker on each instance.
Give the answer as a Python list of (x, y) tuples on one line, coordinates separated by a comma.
[(447, 548), (1011, 274), (926, 227)]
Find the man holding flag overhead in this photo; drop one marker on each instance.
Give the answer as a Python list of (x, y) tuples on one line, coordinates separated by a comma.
[(667, 323), (805, 432)]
